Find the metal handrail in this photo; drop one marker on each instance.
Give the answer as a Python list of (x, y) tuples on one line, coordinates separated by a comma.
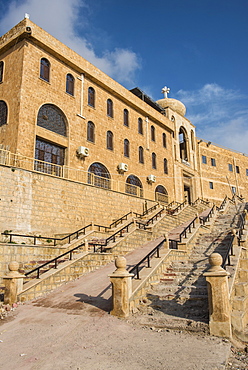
[(182, 234), (54, 260), (204, 219), (135, 269), (35, 237), (117, 222), (222, 204), (154, 217), (178, 207)]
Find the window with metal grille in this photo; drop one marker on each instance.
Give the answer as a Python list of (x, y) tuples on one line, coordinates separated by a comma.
[(126, 148), (141, 154), (126, 117), (164, 140), (161, 194), (110, 111), (213, 162), (204, 159), (91, 132), (45, 69), (3, 113), (91, 97), (98, 175), (154, 161), (152, 133), (140, 126), (134, 186), (1, 71), (230, 167), (70, 84), (49, 158), (110, 140), (165, 166), (52, 118)]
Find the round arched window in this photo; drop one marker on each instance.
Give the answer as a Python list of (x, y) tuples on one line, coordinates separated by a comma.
[(161, 194), (98, 175), (52, 118), (134, 186), (3, 113)]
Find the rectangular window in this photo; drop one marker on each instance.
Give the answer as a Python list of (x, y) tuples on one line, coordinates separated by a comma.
[(230, 167), (213, 163), (237, 169), (204, 159), (211, 185), (233, 189), (247, 172)]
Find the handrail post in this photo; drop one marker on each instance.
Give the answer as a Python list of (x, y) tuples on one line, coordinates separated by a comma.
[(121, 281), (218, 295), (13, 282)]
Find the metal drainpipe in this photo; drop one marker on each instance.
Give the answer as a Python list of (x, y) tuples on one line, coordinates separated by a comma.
[(82, 96)]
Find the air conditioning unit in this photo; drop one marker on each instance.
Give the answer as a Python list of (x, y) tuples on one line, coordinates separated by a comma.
[(82, 151), (151, 178), (122, 167)]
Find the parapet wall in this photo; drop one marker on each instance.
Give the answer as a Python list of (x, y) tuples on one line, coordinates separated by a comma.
[(47, 205)]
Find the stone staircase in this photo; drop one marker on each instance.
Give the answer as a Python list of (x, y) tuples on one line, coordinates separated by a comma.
[(180, 299)]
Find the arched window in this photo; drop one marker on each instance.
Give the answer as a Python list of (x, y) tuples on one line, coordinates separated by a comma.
[(192, 140), (52, 118), (110, 111), (183, 144), (141, 154), (152, 133), (134, 186), (70, 84), (165, 166), (110, 140), (126, 117), (98, 175), (140, 126), (161, 194), (3, 113), (164, 140), (91, 97), (1, 71), (154, 161), (126, 148), (91, 132), (45, 69)]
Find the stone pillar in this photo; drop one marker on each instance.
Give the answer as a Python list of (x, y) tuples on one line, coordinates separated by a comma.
[(86, 245), (218, 298), (167, 242), (121, 288), (13, 282)]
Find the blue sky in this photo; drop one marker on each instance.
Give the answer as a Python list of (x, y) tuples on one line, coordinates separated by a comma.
[(197, 48)]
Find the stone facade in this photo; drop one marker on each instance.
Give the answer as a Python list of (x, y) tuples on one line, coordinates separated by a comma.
[(40, 194)]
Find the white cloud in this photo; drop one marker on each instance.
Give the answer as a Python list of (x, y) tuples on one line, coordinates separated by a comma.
[(61, 19), (220, 115)]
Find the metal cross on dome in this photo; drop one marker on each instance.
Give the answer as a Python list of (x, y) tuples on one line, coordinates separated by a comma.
[(165, 91)]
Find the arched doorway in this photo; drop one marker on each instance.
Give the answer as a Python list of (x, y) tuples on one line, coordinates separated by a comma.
[(134, 186), (98, 175)]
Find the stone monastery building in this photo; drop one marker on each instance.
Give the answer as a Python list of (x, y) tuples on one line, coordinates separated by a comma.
[(77, 147)]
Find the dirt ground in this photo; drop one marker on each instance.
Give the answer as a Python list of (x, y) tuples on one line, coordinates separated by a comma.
[(40, 336)]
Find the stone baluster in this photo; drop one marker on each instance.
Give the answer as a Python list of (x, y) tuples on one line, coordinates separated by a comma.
[(13, 282), (218, 298), (121, 281)]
